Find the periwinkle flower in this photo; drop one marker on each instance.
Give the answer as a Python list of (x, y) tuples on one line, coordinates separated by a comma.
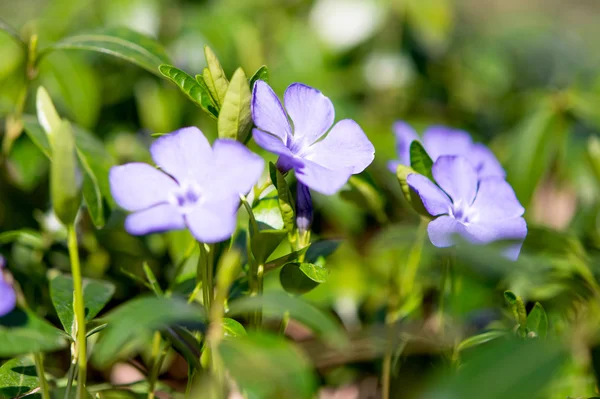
[(480, 210), (8, 297), (304, 209), (322, 161), (198, 186), (441, 140)]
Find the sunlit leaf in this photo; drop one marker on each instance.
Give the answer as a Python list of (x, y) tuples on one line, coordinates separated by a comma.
[(17, 377), (235, 119), (261, 74), (537, 321), (195, 91), (299, 278), (420, 161), (233, 329), (214, 77)]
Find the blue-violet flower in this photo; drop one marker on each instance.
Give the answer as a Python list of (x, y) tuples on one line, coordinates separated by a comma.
[(480, 210), (441, 140), (8, 297), (198, 186), (322, 162)]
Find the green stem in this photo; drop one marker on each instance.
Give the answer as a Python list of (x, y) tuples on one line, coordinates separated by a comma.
[(39, 367), (156, 364), (79, 310), (447, 282), (70, 378)]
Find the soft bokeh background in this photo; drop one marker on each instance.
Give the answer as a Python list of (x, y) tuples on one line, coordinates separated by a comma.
[(521, 76)]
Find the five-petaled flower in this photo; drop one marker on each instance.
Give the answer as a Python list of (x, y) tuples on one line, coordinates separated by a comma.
[(441, 140), (322, 164), (198, 186), (8, 297), (480, 210)]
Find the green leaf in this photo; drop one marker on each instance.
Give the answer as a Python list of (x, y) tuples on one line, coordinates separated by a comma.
[(17, 377), (299, 278), (420, 161), (235, 119), (268, 366), (64, 189), (135, 320), (214, 77), (24, 332), (4, 26), (276, 304), (46, 112), (91, 193), (514, 369), (96, 295), (537, 321), (593, 156), (518, 308), (264, 239), (292, 256), (30, 238), (119, 42), (284, 197), (261, 74), (233, 329), (152, 281), (191, 87), (410, 195), (479, 339), (36, 133), (322, 248)]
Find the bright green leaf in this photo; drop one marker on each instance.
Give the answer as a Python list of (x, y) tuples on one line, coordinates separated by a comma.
[(537, 321), (24, 332), (96, 295), (284, 197), (17, 377), (46, 112), (214, 77), (235, 118), (136, 319), (233, 329), (268, 366), (261, 74), (299, 278), (480, 339), (191, 87), (119, 42), (292, 256), (30, 238), (4, 26), (420, 161)]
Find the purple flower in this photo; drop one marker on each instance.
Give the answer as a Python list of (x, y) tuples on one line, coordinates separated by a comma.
[(322, 162), (8, 297), (440, 140), (304, 208), (480, 210), (198, 186)]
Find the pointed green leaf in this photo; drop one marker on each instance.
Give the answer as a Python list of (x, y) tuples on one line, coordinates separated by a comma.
[(321, 248), (233, 329), (537, 321), (214, 76), (17, 377), (46, 112), (299, 278), (518, 308), (480, 339), (191, 87), (122, 43), (410, 195), (135, 320), (292, 256), (235, 118), (277, 304), (27, 237), (420, 161), (285, 198), (96, 295), (261, 74), (64, 187), (263, 238), (24, 332), (268, 366), (91, 193)]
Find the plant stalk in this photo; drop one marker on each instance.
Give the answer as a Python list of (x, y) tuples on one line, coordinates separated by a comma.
[(39, 367)]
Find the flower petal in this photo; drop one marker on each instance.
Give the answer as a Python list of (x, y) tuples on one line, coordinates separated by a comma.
[(441, 140), (311, 112), (345, 147), (405, 135), (505, 229), (213, 222), (321, 179), (442, 230), (136, 186), (496, 200), (235, 169), (436, 202), (157, 219), (485, 162), (267, 112), (184, 154), (8, 298), (457, 177), (270, 143)]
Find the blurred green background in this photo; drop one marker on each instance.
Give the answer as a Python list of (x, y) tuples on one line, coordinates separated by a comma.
[(523, 77)]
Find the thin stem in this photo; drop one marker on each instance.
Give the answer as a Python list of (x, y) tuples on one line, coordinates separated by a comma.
[(447, 280), (70, 378), (79, 309), (39, 367), (414, 259), (155, 369)]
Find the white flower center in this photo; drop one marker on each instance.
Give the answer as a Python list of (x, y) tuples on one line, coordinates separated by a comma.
[(463, 212), (186, 196)]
